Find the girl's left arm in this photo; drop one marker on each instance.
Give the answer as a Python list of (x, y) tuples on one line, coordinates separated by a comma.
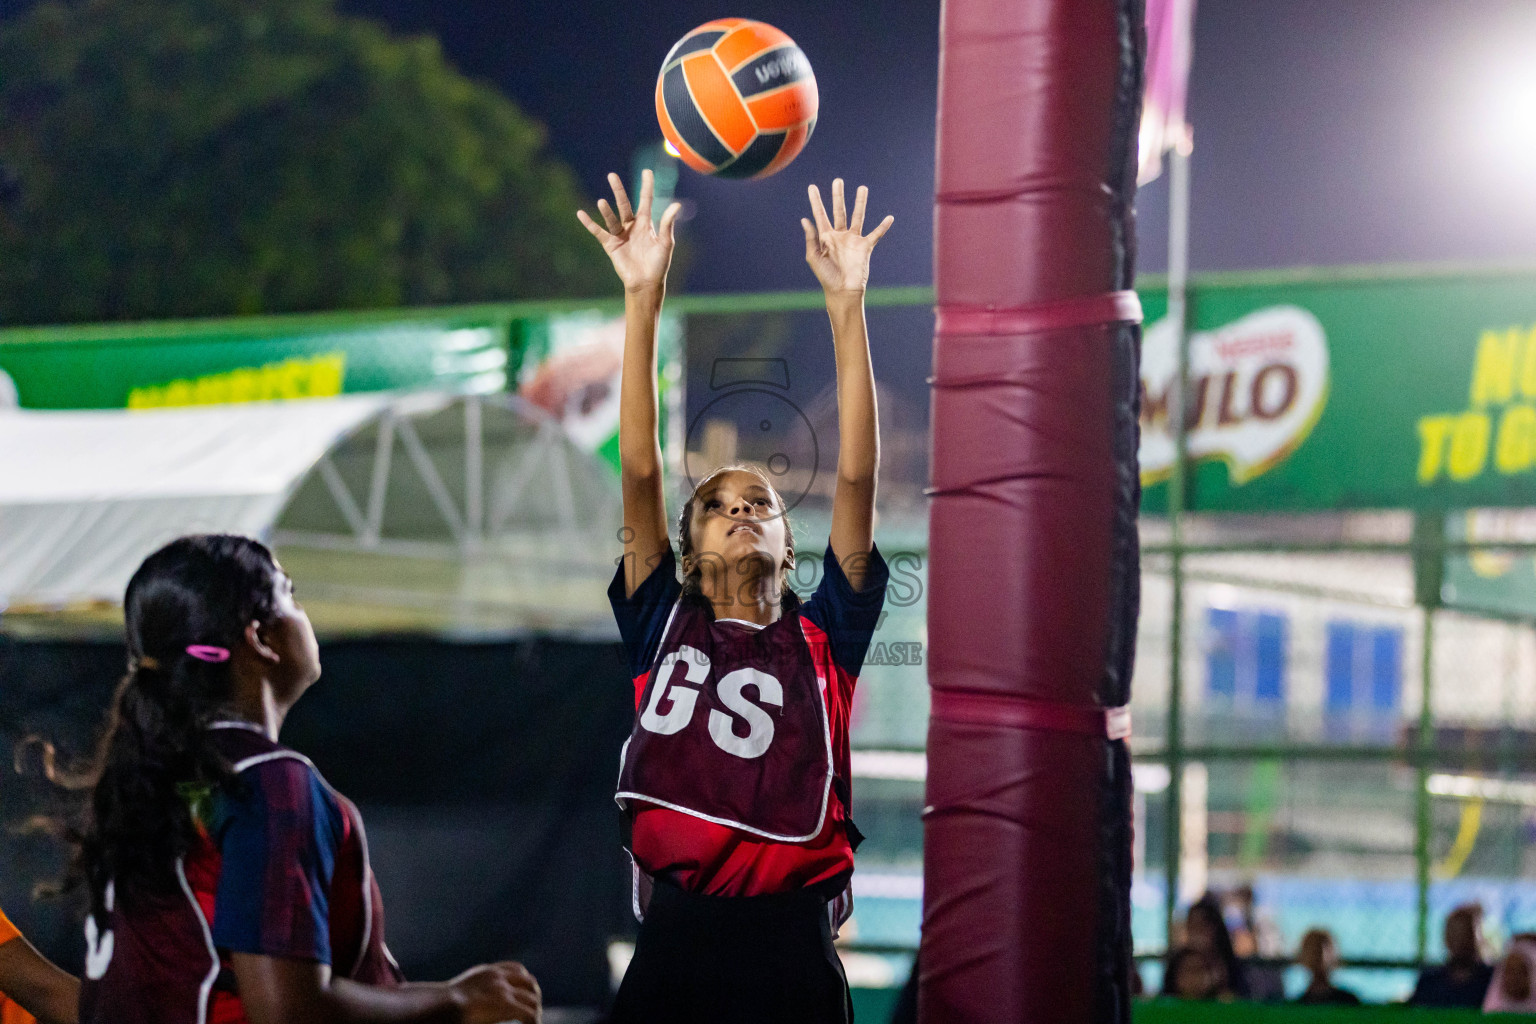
[(838, 252)]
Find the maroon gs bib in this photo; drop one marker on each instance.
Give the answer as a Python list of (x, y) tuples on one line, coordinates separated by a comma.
[(732, 727)]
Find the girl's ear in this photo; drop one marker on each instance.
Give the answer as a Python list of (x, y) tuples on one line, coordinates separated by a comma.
[(257, 644), (789, 560)]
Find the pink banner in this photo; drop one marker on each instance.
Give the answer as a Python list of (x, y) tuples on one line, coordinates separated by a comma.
[(1170, 40)]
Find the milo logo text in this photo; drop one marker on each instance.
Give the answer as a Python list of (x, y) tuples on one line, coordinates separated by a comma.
[(1256, 388)]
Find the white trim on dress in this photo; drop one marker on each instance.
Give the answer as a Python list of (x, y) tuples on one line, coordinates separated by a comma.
[(278, 755), (231, 723), (202, 922), (362, 837), (357, 819)]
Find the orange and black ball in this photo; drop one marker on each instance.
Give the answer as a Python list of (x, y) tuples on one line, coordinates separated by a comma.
[(736, 99)]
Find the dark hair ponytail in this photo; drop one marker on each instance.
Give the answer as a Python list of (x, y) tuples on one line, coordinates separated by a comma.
[(155, 755)]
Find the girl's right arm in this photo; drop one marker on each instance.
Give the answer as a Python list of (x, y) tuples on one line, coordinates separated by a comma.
[(641, 256), (279, 990)]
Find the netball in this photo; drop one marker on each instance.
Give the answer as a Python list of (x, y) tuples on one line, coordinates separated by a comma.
[(736, 98)]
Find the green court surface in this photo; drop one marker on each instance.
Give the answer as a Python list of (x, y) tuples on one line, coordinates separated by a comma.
[(1173, 1011), (873, 1006)]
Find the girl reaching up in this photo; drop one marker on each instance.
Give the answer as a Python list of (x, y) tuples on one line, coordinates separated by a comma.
[(735, 782)]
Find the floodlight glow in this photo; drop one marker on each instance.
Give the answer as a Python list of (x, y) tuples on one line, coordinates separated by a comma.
[(1151, 777), (1514, 117), (1506, 118)]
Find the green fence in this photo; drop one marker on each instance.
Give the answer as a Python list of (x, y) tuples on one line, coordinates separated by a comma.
[(876, 1005), (1336, 687)]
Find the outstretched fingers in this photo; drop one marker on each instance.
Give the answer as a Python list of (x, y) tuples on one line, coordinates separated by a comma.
[(880, 229), (609, 217), (621, 197), (840, 219), (812, 247), (647, 192), (591, 225), (818, 211), (860, 200), (668, 219)]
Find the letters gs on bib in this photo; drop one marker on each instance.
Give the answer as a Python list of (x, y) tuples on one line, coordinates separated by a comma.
[(673, 700)]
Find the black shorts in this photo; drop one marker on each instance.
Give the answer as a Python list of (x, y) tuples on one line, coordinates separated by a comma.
[(734, 960)]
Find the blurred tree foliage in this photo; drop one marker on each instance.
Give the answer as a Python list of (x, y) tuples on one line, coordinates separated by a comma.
[(189, 157)]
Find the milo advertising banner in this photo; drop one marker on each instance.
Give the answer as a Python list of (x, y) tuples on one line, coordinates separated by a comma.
[(1310, 394), (145, 367), (565, 363)]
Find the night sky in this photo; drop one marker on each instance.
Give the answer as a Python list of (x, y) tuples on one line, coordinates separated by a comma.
[(1326, 131), (588, 71)]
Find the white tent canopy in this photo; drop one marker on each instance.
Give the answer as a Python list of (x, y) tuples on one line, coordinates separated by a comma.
[(423, 511)]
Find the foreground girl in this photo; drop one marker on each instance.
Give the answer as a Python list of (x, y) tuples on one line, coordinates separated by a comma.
[(228, 882), (735, 780)]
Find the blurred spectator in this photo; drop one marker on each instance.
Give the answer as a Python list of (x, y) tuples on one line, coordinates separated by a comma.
[(1513, 989), (1463, 979), (1254, 932), (1205, 930), (1191, 974), (1318, 954), (1255, 936)]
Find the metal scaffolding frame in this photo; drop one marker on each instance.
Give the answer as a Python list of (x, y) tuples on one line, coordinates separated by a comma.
[(472, 517)]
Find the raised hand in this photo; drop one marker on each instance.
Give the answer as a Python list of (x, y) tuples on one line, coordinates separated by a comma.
[(837, 249), (641, 252)]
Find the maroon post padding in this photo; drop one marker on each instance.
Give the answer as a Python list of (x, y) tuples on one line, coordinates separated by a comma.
[(1033, 575)]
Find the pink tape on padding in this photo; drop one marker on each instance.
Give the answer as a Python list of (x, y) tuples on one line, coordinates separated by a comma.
[(1122, 307), (974, 708)]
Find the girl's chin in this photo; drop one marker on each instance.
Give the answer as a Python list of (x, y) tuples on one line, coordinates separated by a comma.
[(745, 545)]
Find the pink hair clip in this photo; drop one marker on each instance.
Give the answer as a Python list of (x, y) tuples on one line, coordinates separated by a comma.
[(202, 652)]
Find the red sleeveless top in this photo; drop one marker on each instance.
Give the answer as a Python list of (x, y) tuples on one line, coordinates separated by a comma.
[(736, 774)]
